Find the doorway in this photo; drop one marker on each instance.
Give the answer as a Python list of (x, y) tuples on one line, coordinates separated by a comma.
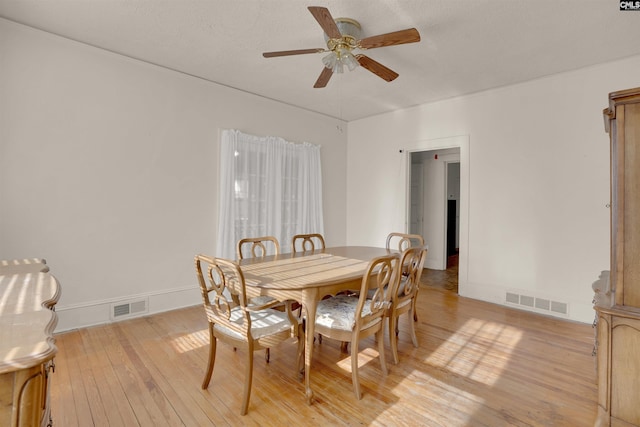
[(453, 212), (434, 209)]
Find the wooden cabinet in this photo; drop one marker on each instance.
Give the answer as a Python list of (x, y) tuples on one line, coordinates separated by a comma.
[(618, 316), (27, 320)]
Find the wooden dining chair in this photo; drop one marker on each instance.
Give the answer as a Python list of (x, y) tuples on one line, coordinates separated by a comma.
[(401, 242), (250, 327), (302, 243), (307, 242), (257, 247), (351, 318), (404, 296), (260, 247)]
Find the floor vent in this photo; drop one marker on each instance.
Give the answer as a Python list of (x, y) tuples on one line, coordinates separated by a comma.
[(537, 304), (124, 309)]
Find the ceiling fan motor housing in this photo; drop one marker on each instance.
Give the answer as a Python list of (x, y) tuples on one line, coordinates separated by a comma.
[(350, 30)]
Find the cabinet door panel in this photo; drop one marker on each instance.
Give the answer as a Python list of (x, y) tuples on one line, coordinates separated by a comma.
[(21, 397), (603, 354), (625, 370), (631, 205)]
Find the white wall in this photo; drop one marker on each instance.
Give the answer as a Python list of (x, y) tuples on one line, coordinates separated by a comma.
[(108, 169), (537, 165)]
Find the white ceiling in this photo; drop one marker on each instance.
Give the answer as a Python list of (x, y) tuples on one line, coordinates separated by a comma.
[(467, 46)]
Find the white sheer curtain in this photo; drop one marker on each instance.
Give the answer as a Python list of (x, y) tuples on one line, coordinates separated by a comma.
[(268, 187)]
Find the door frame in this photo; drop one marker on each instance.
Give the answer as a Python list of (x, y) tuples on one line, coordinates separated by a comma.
[(419, 229), (461, 142), (447, 160)]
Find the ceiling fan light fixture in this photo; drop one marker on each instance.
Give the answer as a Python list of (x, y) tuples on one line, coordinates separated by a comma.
[(349, 60), (337, 60), (330, 60)]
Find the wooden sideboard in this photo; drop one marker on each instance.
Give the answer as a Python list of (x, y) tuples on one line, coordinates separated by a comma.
[(618, 307), (28, 293)]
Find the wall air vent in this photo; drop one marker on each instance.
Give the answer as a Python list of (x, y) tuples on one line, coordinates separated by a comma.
[(131, 308), (543, 304), (526, 300), (533, 303), (559, 307), (513, 298)]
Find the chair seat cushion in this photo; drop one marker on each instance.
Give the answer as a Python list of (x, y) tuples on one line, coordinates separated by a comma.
[(261, 300), (339, 312), (263, 322)]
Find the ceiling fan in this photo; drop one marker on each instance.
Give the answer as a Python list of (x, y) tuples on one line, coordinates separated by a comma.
[(342, 36)]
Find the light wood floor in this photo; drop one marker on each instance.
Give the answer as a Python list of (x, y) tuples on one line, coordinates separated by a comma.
[(444, 279), (478, 364)]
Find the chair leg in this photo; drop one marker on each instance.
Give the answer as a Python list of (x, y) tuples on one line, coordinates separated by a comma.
[(212, 358), (412, 328), (380, 339), (247, 381), (393, 338), (267, 355), (354, 369)]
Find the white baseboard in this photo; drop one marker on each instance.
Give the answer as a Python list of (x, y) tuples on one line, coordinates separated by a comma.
[(433, 264), (99, 312), (576, 310)]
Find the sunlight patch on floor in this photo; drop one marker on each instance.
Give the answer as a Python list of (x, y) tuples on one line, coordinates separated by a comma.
[(365, 356), (191, 341), (442, 397), (479, 350)]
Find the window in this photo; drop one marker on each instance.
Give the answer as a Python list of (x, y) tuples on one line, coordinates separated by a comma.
[(268, 187)]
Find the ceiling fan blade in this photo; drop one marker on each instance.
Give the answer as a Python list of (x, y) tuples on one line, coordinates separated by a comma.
[(410, 35), (292, 52), (324, 18), (377, 68), (325, 75)]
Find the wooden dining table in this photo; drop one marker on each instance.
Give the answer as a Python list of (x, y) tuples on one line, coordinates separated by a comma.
[(307, 277), (28, 294)]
